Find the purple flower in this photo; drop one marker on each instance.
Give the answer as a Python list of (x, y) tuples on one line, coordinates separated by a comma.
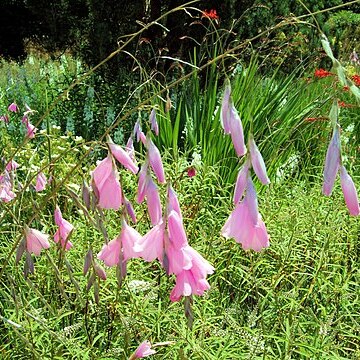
[(13, 107)]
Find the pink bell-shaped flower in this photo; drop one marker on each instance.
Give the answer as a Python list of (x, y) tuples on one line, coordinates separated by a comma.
[(122, 247), (11, 165), (6, 193), (192, 281), (245, 224), (106, 185), (143, 350), (40, 182), (13, 107), (64, 231), (36, 241), (151, 246)]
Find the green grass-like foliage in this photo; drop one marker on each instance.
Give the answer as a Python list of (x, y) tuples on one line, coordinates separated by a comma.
[(296, 300)]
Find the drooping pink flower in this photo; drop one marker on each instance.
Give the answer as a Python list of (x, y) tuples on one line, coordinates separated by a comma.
[(155, 161), (175, 241), (6, 193), (106, 185), (110, 253), (142, 183), (4, 118), (332, 162), (257, 162), (153, 201), (123, 157), (30, 128), (35, 241), (192, 281), (129, 238), (349, 191), (245, 224), (11, 165), (241, 180), (122, 247), (153, 122), (40, 182), (143, 350), (64, 231), (151, 246), (13, 107)]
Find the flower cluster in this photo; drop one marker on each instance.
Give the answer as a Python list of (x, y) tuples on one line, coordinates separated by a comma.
[(244, 224), (30, 128), (321, 73), (211, 14), (167, 240)]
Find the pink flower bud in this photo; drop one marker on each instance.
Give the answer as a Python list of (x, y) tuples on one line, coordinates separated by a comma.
[(257, 162), (153, 202), (237, 133), (240, 185), (156, 162), (106, 185), (332, 163), (40, 182), (225, 110), (154, 123), (123, 157), (349, 191)]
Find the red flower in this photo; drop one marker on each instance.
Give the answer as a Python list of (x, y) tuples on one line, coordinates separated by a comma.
[(356, 79), (210, 14), (346, 88), (321, 73), (344, 105)]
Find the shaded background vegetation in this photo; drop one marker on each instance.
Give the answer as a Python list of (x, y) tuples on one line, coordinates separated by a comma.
[(92, 29)]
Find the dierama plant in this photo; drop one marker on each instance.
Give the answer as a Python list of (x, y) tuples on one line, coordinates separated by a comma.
[(167, 240)]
